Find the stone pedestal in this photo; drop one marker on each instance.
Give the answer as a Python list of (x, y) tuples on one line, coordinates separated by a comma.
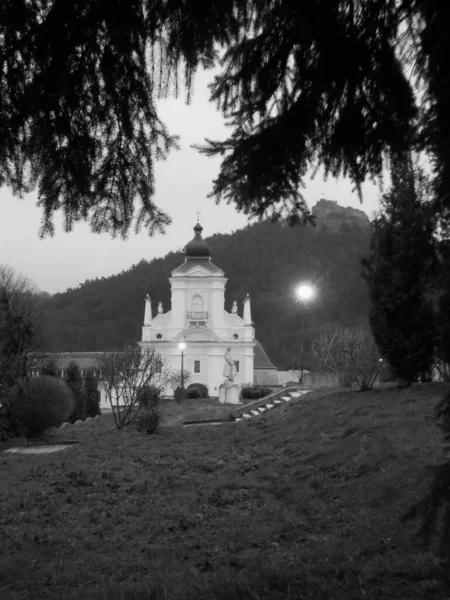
[(229, 393)]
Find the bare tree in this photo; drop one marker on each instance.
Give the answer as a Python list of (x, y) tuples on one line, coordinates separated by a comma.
[(124, 374), (20, 324), (175, 378), (441, 369), (351, 353)]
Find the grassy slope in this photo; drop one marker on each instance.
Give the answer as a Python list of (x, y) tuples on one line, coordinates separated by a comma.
[(302, 502)]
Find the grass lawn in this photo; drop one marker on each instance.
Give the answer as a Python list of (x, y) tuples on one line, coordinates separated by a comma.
[(302, 502)]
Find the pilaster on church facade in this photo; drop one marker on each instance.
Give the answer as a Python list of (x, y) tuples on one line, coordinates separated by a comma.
[(198, 318)]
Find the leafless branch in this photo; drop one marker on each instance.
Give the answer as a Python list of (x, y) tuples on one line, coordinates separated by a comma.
[(124, 374)]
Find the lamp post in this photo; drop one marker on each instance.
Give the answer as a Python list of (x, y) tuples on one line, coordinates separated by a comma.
[(304, 292), (182, 346)]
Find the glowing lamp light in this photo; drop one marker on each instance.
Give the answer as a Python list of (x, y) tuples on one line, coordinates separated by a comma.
[(305, 292), (181, 345)]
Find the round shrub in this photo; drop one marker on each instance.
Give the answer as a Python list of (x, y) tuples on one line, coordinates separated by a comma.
[(386, 375), (39, 403), (290, 384), (192, 393), (250, 392), (179, 394), (148, 421), (201, 391), (148, 396)]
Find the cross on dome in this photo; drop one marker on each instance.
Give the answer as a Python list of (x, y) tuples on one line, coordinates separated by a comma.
[(198, 248)]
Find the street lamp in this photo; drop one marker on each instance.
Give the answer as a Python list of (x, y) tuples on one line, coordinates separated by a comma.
[(305, 292), (182, 346)]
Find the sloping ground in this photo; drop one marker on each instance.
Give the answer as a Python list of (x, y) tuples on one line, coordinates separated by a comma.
[(302, 502)]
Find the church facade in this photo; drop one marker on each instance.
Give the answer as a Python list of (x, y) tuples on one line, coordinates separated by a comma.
[(199, 322)]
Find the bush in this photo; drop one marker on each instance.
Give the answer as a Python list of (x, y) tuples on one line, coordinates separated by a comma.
[(148, 420), (386, 375), (265, 391), (351, 353), (75, 382), (193, 393), (39, 403), (179, 394), (91, 394), (201, 391), (148, 397), (251, 392), (8, 426), (291, 384)]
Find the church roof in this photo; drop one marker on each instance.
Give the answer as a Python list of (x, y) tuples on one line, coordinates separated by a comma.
[(204, 264), (198, 248), (261, 360), (85, 360), (197, 254)]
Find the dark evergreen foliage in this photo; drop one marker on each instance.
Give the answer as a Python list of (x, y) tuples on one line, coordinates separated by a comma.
[(251, 392), (148, 420), (50, 368), (179, 394), (266, 259), (91, 394), (401, 265), (309, 83), (72, 377), (443, 304), (38, 403), (197, 390), (301, 83)]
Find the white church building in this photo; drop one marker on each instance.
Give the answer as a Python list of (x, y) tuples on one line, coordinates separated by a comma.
[(198, 320)]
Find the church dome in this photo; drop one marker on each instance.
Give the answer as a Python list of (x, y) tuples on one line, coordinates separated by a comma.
[(198, 248)]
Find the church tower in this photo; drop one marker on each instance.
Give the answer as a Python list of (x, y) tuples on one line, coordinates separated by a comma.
[(199, 319)]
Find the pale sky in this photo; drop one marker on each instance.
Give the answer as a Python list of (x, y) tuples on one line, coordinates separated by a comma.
[(182, 184)]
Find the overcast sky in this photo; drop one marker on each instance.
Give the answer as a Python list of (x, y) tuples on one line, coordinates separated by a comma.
[(182, 185)]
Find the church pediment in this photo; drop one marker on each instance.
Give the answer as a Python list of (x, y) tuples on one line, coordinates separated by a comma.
[(197, 272), (197, 334), (197, 268)]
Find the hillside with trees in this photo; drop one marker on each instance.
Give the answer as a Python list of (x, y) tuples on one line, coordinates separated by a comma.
[(265, 259)]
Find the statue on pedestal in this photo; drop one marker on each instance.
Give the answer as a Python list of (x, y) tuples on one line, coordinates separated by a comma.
[(160, 309), (229, 370), (229, 391), (234, 308)]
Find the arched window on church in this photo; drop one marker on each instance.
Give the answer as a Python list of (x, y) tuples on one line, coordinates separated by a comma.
[(197, 315), (197, 303)]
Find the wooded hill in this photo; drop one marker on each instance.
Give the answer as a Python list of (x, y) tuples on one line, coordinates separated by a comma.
[(265, 259)]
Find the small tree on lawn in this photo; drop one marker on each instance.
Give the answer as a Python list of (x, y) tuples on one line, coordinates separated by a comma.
[(50, 368), (351, 353), (20, 325), (75, 382), (400, 266), (124, 374), (91, 394), (175, 379)]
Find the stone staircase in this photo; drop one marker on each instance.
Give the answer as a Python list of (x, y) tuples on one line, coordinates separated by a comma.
[(257, 407)]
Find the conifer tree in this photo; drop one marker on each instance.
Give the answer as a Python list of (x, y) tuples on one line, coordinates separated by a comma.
[(75, 382), (91, 394), (50, 368), (400, 266), (443, 311), (300, 83)]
